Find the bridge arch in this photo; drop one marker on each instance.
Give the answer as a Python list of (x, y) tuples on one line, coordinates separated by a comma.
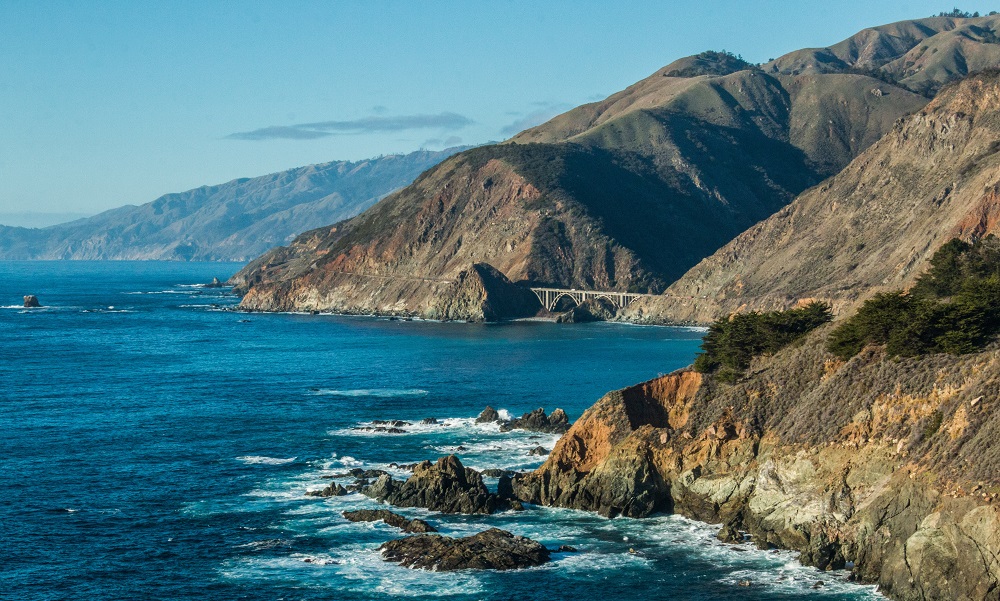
[(561, 295)]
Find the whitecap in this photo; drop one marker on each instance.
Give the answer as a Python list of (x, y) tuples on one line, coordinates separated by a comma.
[(263, 460), (370, 392)]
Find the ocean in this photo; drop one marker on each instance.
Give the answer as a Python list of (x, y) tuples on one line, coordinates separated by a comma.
[(157, 445)]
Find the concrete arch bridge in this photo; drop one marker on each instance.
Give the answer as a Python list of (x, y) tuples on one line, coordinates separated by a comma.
[(550, 296)]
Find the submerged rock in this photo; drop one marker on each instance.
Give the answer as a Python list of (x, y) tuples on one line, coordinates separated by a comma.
[(447, 486), (493, 549), (31, 301), (395, 423), (333, 490), (390, 518)]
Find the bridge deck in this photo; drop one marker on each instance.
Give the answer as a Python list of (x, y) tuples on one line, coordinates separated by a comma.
[(550, 296)]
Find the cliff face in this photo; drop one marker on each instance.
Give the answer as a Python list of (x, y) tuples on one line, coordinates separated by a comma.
[(882, 463), (235, 221), (873, 226)]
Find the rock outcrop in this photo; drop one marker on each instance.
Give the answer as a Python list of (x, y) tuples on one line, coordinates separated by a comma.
[(392, 519), (31, 301), (493, 549), (447, 486), (591, 310), (488, 416), (888, 464), (484, 294), (537, 421)]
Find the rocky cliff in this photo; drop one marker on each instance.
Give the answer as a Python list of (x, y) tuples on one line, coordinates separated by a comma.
[(885, 466), (873, 226), (235, 221)]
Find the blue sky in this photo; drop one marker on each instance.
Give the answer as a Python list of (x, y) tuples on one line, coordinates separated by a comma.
[(111, 103)]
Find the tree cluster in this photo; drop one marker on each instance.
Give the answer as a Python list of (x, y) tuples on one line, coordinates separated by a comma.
[(962, 14), (953, 308), (731, 343)]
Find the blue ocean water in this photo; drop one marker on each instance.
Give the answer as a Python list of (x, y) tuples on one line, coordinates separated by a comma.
[(156, 446)]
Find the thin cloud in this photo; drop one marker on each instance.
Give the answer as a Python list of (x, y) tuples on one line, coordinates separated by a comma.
[(536, 117), (366, 125), (279, 132)]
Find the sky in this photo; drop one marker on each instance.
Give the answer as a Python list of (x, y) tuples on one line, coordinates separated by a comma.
[(110, 103)]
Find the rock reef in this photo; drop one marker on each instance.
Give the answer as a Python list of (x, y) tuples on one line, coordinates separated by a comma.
[(493, 549), (534, 421), (446, 486)]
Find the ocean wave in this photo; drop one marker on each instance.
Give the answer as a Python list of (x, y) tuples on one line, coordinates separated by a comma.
[(264, 460), (369, 392)]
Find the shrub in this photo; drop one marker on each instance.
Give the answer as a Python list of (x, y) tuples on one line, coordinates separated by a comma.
[(953, 308), (731, 343)]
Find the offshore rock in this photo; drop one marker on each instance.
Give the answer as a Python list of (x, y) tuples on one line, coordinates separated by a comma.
[(493, 549), (31, 301), (447, 486), (392, 519), (332, 490), (831, 459), (488, 416), (537, 421)]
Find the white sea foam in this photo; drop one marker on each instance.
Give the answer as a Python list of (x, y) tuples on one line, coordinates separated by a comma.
[(370, 392), (263, 460)]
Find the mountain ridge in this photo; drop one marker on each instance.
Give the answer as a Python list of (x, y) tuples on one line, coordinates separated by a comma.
[(233, 221), (708, 156)]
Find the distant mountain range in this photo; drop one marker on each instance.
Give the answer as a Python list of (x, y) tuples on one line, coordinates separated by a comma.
[(631, 192), (235, 221)]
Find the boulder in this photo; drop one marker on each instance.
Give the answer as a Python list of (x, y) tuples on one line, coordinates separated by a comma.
[(390, 518), (538, 452), (31, 301), (447, 486), (493, 549)]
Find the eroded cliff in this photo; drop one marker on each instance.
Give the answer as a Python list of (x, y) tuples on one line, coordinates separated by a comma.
[(877, 463)]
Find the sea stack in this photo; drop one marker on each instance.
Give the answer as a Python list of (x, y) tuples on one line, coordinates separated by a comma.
[(31, 301)]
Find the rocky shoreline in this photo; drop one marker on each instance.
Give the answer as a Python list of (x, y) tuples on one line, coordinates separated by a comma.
[(875, 465), (862, 465)]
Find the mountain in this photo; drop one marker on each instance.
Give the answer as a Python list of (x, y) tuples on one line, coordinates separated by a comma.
[(921, 55), (623, 194), (235, 221), (934, 177)]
